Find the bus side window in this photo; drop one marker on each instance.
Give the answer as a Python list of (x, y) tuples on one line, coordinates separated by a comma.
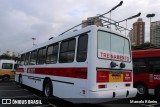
[(27, 59), (67, 51), (41, 56), (52, 54), (33, 57), (154, 65), (82, 48), (139, 66), (22, 59)]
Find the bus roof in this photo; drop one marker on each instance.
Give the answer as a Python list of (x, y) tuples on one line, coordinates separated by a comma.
[(6, 61), (72, 34), (146, 53)]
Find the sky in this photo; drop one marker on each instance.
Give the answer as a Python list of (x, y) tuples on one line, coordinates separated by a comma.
[(22, 20)]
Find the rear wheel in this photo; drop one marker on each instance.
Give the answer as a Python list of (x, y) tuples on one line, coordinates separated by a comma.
[(47, 88), (142, 89), (6, 78)]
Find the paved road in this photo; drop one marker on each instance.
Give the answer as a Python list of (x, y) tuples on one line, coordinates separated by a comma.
[(11, 90)]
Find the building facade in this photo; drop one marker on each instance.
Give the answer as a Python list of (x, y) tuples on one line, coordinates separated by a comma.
[(130, 35), (138, 34), (155, 33)]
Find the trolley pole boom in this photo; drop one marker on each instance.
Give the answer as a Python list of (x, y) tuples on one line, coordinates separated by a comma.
[(121, 2), (137, 15)]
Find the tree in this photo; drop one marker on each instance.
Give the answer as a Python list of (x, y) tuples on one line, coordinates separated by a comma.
[(5, 56), (8, 57), (146, 45)]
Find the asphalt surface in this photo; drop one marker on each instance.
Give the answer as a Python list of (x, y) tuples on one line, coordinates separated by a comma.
[(14, 92)]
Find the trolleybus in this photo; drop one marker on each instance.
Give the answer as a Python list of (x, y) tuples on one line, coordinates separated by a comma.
[(147, 71), (93, 65)]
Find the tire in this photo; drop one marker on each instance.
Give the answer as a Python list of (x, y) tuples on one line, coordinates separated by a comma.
[(157, 92), (47, 88), (5, 78), (141, 89)]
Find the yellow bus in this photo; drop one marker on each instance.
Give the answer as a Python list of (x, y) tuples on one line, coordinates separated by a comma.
[(7, 69)]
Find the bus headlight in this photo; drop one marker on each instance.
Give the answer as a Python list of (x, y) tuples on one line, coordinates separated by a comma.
[(122, 65), (113, 64)]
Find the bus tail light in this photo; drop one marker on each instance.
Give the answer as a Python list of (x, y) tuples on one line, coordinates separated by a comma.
[(128, 85), (102, 76), (102, 86)]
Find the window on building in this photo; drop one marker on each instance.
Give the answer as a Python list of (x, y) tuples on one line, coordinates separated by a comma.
[(52, 53), (33, 57), (82, 48), (41, 56), (67, 51)]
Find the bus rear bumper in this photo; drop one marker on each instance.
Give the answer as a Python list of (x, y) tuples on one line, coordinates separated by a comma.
[(109, 95)]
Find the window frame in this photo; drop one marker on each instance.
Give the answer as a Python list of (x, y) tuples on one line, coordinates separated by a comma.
[(110, 41), (67, 50), (41, 56), (153, 69), (24, 55), (31, 57), (26, 58), (141, 69), (53, 53), (4, 64), (82, 35)]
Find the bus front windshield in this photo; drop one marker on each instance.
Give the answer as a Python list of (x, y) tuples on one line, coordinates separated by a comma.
[(113, 46)]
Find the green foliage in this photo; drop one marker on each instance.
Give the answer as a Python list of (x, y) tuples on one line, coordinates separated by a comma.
[(144, 46), (6, 56)]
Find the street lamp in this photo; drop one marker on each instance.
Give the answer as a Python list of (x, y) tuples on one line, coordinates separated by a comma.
[(150, 16), (33, 41)]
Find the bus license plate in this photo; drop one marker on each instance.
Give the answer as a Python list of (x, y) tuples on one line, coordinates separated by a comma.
[(115, 77)]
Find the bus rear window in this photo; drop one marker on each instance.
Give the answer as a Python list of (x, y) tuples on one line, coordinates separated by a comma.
[(7, 66), (112, 46)]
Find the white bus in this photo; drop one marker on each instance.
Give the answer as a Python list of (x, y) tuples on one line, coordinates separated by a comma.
[(7, 69), (93, 63)]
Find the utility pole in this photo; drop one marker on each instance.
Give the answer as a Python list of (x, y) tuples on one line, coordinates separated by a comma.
[(33, 41)]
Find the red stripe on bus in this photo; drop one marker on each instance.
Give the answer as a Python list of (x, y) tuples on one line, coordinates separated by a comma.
[(63, 72), (20, 70)]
